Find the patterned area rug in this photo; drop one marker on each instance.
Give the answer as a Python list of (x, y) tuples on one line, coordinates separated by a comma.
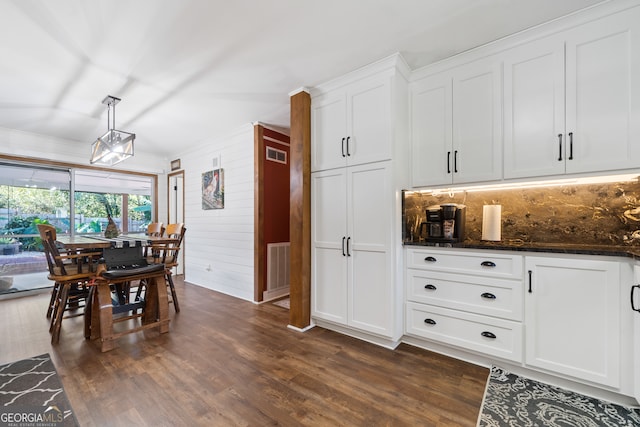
[(511, 400), (31, 395)]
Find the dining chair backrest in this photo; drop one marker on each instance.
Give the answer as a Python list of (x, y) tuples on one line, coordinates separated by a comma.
[(155, 229), (174, 230), (78, 263), (167, 253), (43, 228), (51, 252)]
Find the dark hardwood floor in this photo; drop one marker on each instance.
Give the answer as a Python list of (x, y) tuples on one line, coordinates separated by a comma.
[(229, 362)]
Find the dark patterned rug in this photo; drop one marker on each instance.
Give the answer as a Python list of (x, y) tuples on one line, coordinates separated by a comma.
[(31, 395), (511, 400)]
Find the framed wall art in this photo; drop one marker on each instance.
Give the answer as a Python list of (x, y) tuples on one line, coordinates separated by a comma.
[(213, 189)]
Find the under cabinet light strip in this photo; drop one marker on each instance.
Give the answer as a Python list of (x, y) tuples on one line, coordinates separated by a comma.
[(532, 184)]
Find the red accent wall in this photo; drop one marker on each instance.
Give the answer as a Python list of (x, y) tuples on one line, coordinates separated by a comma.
[(276, 192)]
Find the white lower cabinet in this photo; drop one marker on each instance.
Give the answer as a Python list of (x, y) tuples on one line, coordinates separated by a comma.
[(496, 337), (558, 315), (635, 309), (352, 273), (572, 318), (471, 300)]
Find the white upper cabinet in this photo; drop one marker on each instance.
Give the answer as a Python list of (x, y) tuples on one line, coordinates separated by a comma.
[(456, 125), (477, 121), (603, 93), (431, 130), (595, 67), (351, 125), (534, 110)]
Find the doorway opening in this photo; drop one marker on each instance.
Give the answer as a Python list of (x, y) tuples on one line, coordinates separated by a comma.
[(271, 240)]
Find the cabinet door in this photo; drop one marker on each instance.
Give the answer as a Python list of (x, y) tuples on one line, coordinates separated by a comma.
[(635, 305), (534, 141), (369, 121), (572, 318), (328, 252), (477, 121), (371, 290), (431, 127), (328, 131), (603, 93)]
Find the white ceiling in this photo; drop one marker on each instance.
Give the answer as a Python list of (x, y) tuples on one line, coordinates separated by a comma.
[(187, 70)]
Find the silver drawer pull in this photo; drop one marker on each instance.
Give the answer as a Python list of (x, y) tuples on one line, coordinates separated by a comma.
[(429, 321), (488, 264), (487, 295), (430, 287), (430, 259), (487, 334)]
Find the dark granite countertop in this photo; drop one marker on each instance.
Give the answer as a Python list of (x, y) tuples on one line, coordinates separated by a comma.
[(621, 251)]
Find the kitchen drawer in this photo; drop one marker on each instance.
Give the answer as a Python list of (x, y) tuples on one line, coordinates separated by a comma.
[(490, 336), (482, 295), (492, 264)]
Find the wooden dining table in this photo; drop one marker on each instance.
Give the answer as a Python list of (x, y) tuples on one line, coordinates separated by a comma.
[(100, 310), (90, 241)]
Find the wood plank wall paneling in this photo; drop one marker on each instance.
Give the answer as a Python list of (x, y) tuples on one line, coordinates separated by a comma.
[(220, 253), (300, 206)]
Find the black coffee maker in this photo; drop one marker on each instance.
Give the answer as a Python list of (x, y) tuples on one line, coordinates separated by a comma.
[(445, 223)]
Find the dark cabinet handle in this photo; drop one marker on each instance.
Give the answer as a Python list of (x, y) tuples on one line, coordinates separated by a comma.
[(348, 153), (488, 295), (448, 161), (488, 334), (570, 145), (343, 239), (430, 259), (455, 161), (348, 250), (429, 321), (530, 273), (633, 306), (430, 287), (488, 264), (560, 147)]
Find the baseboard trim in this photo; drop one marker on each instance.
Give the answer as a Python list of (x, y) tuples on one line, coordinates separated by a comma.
[(364, 336)]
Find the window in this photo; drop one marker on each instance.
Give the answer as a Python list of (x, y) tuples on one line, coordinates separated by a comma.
[(34, 193), (126, 198)]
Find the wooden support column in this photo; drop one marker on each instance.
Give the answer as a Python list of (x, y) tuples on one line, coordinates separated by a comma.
[(259, 253), (300, 211)]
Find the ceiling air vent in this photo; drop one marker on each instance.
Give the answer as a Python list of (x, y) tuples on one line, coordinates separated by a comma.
[(276, 155)]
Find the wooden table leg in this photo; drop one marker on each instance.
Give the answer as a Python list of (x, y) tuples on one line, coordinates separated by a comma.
[(156, 303), (105, 314)]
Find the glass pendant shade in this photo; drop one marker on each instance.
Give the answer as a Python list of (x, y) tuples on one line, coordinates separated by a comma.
[(115, 145)]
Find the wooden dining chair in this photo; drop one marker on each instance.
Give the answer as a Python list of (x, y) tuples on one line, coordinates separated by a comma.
[(70, 272), (154, 229), (168, 254)]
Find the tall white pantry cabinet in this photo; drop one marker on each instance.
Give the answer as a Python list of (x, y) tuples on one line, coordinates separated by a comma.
[(358, 171)]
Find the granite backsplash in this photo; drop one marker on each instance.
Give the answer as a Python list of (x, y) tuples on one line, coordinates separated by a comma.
[(585, 214)]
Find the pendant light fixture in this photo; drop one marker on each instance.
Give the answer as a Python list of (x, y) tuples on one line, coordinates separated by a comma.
[(115, 145)]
